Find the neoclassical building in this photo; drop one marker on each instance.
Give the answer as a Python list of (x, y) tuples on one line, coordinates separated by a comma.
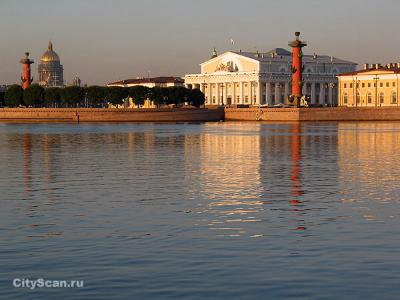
[(256, 78), (373, 86), (50, 69)]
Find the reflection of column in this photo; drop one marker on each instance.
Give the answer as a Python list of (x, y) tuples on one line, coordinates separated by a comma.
[(313, 96), (268, 93), (27, 161), (295, 172)]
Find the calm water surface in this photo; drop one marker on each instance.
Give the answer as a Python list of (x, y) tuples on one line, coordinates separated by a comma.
[(201, 211)]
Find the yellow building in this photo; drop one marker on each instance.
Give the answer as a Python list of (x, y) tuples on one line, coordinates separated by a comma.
[(373, 86)]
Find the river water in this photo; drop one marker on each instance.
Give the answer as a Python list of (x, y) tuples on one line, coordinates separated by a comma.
[(201, 211)]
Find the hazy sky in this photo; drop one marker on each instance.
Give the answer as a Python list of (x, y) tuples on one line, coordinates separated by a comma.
[(107, 40)]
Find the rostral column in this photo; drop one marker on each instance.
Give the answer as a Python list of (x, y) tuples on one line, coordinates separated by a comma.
[(26, 79), (297, 68)]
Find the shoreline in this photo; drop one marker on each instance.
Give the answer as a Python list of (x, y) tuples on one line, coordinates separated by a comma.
[(253, 114)]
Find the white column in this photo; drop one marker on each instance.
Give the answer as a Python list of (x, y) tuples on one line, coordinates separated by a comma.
[(210, 94), (217, 94), (330, 95), (268, 93), (277, 93), (241, 93), (304, 89), (225, 92), (233, 92), (322, 99), (258, 92), (313, 93), (285, 100)]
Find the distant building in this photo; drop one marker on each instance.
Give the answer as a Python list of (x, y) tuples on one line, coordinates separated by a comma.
[(50, 69), (150, 82), (256, 78), (373, 86)]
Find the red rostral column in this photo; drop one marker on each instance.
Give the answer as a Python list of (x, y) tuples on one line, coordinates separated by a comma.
[(26, 79), (297, 68)]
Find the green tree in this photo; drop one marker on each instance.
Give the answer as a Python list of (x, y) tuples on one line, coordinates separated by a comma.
[(196, 97), (13, 96), (95, 95), (116, 95), (52, 97), (33, 96), (2, 98), (178, 95), (139, 94), (72, 96), (159, 95)]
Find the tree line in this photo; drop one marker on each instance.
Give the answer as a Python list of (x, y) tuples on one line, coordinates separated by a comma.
[(98, 96)]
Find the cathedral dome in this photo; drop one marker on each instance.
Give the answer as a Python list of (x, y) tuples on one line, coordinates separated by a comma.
[(50, 55)]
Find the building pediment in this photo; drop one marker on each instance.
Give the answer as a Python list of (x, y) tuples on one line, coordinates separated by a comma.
[(229, 63)]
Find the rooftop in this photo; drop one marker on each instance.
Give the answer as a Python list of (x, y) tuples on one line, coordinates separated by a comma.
[(143, 80)]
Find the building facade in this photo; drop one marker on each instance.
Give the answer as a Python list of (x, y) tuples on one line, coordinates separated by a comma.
[(373, 86), (167, 81), (51, 72), (265, 78)]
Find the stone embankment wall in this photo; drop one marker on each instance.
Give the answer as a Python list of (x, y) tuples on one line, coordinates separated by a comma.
[(110, 115), (313, 114)]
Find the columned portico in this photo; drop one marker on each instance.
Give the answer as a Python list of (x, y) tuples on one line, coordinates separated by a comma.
[(248, 78)]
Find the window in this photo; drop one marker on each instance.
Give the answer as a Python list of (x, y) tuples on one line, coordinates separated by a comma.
[(374, 84), (246, 99), (369, 84), (381, 98), (369, 98), (363, 84), (345, 98), (393, 84), (358, 85), (394, 98), (387, 84), (351, 85), (344, 85), (381, 84)]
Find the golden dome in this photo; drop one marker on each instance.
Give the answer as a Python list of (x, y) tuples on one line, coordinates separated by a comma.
[(50, 55)]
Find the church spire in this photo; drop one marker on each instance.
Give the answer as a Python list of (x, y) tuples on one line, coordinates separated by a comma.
[(50, 46)]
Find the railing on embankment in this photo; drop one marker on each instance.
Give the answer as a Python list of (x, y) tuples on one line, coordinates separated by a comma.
[(110, 115), (313, 114)]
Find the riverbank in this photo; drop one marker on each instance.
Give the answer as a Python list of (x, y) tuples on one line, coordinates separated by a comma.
[(313, 114), (199, 115), (110, 115)]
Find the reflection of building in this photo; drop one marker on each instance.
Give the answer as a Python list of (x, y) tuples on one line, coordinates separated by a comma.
[(50, 69), (149, 82), (265, 78), (373, 86)]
